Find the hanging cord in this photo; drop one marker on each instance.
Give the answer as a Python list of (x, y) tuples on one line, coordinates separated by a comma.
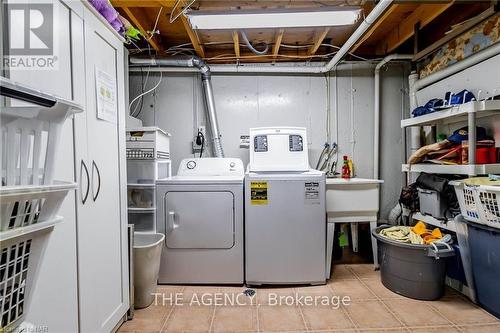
[(154, 31), (147, 92), (250, 46), (183, 11), (200, 141)]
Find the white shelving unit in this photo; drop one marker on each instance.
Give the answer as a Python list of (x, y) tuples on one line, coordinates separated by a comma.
[(148, 153), (443, 224), (467, 169), (455, 114), (468, 113)]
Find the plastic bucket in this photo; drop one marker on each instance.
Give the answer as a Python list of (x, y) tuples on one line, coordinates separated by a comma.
[(147, 254), (415, 271), (484, 244)]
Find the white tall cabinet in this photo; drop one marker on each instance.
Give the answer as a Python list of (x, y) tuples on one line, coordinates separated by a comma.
[(101, 227), (83, 283)]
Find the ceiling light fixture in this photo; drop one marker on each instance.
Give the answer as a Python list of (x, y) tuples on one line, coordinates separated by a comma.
[(283, 18)]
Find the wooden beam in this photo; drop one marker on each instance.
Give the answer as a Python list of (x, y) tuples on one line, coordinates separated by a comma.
[(142, 3), (236, 41), (277, 42), (137, 18), (425, 14), (318, 40), (374, 27), (193, 37)]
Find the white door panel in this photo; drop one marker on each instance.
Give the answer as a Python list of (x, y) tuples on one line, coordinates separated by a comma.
[(101, 256), (199, 220)]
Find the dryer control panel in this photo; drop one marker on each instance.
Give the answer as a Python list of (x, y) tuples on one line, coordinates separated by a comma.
[(211, 167)]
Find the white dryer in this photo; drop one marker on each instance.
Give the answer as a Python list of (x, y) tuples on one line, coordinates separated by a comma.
[(201, 213)]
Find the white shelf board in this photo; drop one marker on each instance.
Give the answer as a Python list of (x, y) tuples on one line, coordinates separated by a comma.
[(141, 210), (446, 225), (141, 185), (455, 114), (466, 169)]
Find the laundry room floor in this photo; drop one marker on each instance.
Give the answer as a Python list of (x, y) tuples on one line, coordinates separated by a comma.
[(372, 308)]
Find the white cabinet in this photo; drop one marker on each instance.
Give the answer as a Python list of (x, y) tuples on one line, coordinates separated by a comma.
[(83, 283), (100, 151)]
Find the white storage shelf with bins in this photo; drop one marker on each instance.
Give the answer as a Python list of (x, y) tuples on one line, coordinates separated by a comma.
[(29, 196), (467, 113), (148, 150)]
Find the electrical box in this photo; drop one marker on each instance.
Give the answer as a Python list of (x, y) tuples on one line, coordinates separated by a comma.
[(147, 143), (278, 149)]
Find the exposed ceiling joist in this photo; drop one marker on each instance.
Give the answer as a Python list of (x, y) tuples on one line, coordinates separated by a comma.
[(424, 14), (142, 3), (374, 27), (277, 42), (193, 37), (137, 17), (236, 42), (320, 36)]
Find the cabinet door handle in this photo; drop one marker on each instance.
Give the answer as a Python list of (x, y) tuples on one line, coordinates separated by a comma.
[(94, 166), (83, 167)]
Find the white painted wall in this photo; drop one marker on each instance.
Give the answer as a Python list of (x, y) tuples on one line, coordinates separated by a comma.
[(245, 101)]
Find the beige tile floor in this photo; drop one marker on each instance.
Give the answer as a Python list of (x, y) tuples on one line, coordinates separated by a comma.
[(373, 308)]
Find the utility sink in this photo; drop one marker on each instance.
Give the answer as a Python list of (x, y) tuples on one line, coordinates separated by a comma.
[(352, 197)]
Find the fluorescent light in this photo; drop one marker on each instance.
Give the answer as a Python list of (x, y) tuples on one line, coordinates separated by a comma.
[(305, 18)]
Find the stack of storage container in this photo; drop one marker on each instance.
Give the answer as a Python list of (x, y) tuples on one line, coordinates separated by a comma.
[(29, 196), (479, 200)]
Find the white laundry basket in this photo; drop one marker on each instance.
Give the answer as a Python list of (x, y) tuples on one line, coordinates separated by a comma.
[(479, 203), (29, 197), (29, 135), (27, 218), (467, 202), (488, 200), (21, 251)]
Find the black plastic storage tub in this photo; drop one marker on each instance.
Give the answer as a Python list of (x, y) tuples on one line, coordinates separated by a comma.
[(484, 245), (415, 271)]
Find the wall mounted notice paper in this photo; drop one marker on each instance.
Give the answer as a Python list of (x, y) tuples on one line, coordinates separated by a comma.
[(105, 86)]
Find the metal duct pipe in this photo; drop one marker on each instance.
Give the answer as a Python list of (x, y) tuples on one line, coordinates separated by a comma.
[(367, 23), (207, 87)]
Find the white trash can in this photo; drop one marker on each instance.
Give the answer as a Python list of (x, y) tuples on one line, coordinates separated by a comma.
[(147, 254)]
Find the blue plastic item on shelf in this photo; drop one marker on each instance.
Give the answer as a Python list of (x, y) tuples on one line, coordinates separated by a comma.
[(484, 244)]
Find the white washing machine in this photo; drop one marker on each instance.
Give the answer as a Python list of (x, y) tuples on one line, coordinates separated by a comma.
[(201, 213), (285, 214)]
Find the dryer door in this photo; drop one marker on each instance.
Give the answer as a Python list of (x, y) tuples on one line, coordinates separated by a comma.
[(199, 220)]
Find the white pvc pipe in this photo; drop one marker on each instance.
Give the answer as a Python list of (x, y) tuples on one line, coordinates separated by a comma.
[(474, 59), (376, 109), (416, 85), (376, 12)]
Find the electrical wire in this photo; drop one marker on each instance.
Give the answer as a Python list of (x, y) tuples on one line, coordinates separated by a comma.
[(250, 46), (152, 32), (147, 92), (144, 83)]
